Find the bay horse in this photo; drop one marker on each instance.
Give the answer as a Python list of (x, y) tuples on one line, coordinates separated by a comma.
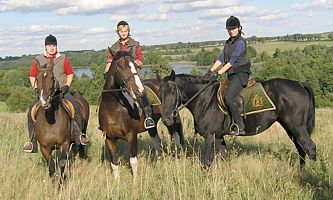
[(53, 127), (120, 116), (295, 111)]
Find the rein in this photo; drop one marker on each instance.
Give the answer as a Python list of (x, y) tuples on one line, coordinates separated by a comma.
[(176, 110)]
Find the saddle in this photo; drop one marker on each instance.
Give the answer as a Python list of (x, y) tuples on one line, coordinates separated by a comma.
[(67, 105)]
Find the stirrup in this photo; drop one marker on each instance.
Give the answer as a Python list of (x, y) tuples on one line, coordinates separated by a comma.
[(83, 143), (237, 132), (151, 125), (28, 150)]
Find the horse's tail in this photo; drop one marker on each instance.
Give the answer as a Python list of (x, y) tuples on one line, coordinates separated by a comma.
[(311, 112)]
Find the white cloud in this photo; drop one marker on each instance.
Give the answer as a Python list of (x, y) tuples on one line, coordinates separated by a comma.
[(187, 6), (65, 7), (317, 4)]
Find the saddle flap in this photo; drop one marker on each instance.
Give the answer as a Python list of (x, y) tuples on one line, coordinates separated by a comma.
[(152, 97), (69, 107), (252, 99), (34, 110)]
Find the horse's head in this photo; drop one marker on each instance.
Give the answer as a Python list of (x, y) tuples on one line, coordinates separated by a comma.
[(171, 98), (46, 84), (122, 70)]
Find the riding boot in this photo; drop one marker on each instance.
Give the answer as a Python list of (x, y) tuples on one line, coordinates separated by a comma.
[(31, 146), (237, 128), (80, 138), (149, 122)]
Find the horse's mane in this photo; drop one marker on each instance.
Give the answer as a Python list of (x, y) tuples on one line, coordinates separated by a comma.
[(121, 54), (191, 79)]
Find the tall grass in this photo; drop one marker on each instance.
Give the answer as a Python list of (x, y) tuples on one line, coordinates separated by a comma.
[(262, 167)]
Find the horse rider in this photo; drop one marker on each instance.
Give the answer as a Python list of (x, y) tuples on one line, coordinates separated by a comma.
[(237, 66), (63, 73), (127, 43)]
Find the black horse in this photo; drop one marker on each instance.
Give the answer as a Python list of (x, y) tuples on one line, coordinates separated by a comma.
[(295, 111)]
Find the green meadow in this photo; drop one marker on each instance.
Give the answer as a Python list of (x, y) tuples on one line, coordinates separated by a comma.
[(265, 166)]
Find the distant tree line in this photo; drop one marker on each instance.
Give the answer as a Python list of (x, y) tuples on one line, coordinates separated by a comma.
[(313, 64)]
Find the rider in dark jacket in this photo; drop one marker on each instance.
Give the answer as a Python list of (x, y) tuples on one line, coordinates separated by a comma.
[(235, 63)]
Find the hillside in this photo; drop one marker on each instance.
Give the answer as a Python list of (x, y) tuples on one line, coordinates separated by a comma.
[(177, 52)]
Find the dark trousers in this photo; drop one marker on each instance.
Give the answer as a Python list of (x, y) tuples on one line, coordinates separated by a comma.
[(230, 97)]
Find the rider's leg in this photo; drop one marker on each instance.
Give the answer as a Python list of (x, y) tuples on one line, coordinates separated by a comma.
[(31, 146), (144, 101), (77, 122), (233, 90)]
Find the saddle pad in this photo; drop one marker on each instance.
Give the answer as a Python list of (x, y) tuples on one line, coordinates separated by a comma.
[(153, 99), (256, 100)]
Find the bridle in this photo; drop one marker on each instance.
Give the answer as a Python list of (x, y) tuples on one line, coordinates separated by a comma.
[(179, 106), (118, 68), (179, 98), (56, 88)]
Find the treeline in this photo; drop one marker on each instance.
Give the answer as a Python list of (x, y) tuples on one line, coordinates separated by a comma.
[(313, 65)]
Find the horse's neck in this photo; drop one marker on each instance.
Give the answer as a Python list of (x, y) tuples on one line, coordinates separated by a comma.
[(188, 90)]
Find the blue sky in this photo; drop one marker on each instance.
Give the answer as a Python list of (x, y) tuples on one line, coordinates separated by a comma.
[(90, 24)]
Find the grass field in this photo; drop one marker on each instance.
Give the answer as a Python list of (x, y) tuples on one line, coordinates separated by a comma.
[(262, 167), (3, 107)]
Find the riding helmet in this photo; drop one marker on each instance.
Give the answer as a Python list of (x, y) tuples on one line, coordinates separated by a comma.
[(50, 39), (122, 23), (232, 22)]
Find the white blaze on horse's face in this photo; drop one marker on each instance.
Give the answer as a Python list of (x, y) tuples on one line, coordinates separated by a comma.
[(42, 101)]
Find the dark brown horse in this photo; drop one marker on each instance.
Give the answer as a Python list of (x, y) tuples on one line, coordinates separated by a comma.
[(120, 117), (294, 102), (53, 127)]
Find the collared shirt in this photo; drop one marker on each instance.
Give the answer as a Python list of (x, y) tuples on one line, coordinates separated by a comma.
[(239, 49), (68, 69)]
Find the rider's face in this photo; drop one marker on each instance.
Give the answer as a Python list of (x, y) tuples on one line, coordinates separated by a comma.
[(123, 33), (233, 32), (51, 49)]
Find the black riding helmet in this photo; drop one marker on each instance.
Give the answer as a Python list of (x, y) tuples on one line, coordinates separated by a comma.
[(50, 39), (122, 23), (232, 22)]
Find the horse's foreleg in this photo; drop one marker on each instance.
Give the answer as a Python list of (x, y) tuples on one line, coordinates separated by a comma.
[(111, 143), (133, 144), (209, 150), (156, 141), (48, 157)]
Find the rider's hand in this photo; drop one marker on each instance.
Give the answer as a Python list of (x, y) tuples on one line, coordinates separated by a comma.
[(65, 89), (213, 77), (105, 75), (207, 75)]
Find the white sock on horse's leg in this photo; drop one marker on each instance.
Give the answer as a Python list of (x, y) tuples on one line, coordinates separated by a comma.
[(115, 170), (134, 166)]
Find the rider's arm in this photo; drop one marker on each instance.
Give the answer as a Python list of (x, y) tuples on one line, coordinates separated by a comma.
[(108, 62), (68, 69), (138, 56), (239, 49), (33, 74)]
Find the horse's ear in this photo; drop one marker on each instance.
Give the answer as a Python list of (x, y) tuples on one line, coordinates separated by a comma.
[(173, 74), (112, 52), (158, 77)]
